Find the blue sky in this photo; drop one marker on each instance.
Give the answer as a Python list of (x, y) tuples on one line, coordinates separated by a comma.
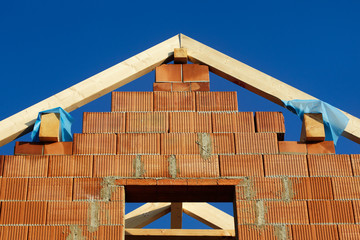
[(47, 46)]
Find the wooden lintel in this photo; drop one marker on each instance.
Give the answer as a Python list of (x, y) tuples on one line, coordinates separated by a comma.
[(209, 215), (254, 80), (176, 215), (198, 234), (91, 88), (146, 214)]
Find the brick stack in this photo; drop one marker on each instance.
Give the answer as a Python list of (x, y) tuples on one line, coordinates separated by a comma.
[(179, 144)]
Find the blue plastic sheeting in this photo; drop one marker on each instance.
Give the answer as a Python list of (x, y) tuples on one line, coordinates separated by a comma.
[(65, 125), (334, 120)]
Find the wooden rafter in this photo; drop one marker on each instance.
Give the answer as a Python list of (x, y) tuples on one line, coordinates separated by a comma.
[(254, 80), (146, 214), (90, 89), (209, 215)]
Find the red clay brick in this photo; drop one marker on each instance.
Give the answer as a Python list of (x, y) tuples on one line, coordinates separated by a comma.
[(202, 182), (200, 86), (155, 166), (329, 165), (195, 73), (180, 87), (270, 122), (141, 181), (28, 148), (116, 165), (50, 189), (241, 165), (190, 122), (222, 143), (87, 188), (179, 143), (68, 213), (356, 205), (292, 147), (174, 101), (51, 232), (2, 162), (25, 166), (216, 101), (149, 122), (14, 232), (260, 143), (103, 122), (170, 182), (230, 181), (194, 166), (168, 73), (132, 102), (70, 166), (301, 188), (112, 213), (23, 212), (266, 188), (346, 187), (285, 165), (294, 212), (326, 147), (138, 143), (263, 232), (331, 212), (246, 212), (348, 231), (233, 122), (355, 162), (323, 232), (58, 148), (96, 143), (14, 188), (162, 87)]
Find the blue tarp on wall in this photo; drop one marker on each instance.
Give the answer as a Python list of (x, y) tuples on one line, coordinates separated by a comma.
[(334, 120), (65, 125)]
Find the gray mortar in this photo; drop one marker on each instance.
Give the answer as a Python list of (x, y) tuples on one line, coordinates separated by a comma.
[(93, 216), (205, 146), (138, 166), (280, 232), (172, 166), (287, 193), (108, 187), (260, 214), (249, 190), (75, 233)]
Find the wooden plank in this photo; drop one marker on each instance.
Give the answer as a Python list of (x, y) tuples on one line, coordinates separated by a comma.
[(180, 55), (176, 215), (91, 88), (198, 234), (146, 214), (312, 128), (209, 215), (50, 127), (254, 80)]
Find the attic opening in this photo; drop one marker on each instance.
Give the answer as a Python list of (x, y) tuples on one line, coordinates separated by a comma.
[(182, 209)]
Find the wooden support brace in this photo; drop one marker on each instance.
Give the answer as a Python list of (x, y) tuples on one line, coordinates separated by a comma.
[(176, 215), (146, 214), (180, 55), (312, 128)]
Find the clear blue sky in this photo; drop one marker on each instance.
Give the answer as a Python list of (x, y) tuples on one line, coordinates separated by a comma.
[(46, 47)]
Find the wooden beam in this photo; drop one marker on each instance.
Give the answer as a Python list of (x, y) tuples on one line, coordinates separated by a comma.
[(146, 214), (180, 55), (312, 128), (198, 234), (176, 215), (254, 80), (91, 88), (209, 215)]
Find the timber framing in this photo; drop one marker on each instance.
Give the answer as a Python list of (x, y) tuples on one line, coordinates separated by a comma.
[(146, 61)]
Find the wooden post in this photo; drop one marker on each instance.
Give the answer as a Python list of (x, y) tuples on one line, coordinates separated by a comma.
[(176, 215), (50, 128), (180, 55)]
